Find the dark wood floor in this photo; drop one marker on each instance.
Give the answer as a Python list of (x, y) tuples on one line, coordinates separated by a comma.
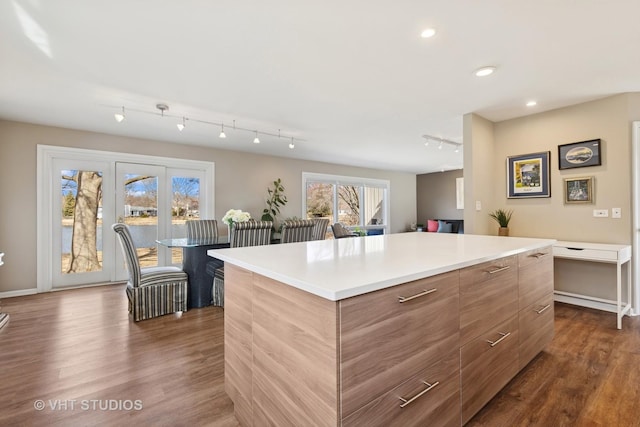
[(80, 348)]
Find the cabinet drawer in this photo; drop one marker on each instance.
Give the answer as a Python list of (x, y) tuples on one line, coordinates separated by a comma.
[(491, 299), (486, 369), (536, 277), (534, 256), (585, 254), (536, 329), (440, 406), (384, 341)]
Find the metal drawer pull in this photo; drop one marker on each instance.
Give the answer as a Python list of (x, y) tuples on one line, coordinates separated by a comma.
[(543, 309), (495, 343), (499, 269), (421, 294), (539, 255), (405, 402)]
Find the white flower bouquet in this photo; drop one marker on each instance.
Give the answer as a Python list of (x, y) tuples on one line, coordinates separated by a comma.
[(235, 215)]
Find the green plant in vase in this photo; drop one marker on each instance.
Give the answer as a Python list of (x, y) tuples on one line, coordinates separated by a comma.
[(502, 217), (275, 201)]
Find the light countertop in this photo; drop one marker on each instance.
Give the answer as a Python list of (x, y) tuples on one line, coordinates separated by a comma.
[(339, 269)]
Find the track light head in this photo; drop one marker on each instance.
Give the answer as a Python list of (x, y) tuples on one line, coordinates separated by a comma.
[(222, 134), (181, 126), (119, 116), (291, 144), (256, 140)]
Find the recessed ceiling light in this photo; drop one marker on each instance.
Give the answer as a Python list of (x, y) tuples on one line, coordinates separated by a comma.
[(532, 104), (485, 71), (428, 32)]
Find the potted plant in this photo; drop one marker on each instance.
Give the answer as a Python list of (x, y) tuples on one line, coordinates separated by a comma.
[(276, 200), (502, 217)]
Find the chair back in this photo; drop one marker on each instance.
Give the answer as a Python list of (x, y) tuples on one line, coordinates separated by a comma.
[(250, 233), (320, 228), (202, 229), (129, 252), (340, 231), (297, 231)]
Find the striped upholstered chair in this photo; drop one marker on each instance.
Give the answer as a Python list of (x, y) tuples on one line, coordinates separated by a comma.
[(320, 228), (202, 229), (300, 230), (250, 233), (152, 291)]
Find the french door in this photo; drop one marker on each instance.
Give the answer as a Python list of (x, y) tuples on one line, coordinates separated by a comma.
[(81, 193)]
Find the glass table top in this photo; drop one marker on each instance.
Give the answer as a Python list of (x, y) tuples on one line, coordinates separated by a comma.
[(193, 243)]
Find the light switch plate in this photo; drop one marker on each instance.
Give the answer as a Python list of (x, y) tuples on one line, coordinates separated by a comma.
[(616, 212), (601, 213)]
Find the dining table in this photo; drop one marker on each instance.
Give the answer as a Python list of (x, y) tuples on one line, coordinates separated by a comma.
[(194, 263)]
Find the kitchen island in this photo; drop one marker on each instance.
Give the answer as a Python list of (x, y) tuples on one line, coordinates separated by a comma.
[(399, 329)]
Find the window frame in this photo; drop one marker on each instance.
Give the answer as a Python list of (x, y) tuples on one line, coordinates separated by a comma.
[(361, 183)]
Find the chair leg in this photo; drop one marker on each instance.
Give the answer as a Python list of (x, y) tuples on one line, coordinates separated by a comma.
[(217, 295)]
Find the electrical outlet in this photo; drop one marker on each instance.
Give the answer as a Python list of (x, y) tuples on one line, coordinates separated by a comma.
[(478, 205), (601, 213), (616, 212)]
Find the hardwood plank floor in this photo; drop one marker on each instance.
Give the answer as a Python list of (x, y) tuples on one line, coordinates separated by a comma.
[(80, 348)]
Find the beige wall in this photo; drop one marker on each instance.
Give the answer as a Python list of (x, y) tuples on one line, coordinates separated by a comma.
[(480, 163), (241, 181), (436, 196), (607, 119)]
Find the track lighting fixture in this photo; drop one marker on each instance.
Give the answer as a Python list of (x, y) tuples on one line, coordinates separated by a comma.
[(442, 142), (119, 116), (162, 110), (181, 126)]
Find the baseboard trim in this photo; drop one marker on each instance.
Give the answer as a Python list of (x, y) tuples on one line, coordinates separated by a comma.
[(20, 293)]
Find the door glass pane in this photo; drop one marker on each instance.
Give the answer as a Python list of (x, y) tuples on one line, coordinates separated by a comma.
[(373, 206), (81, 242), (185, 205), (320, 202), (349, 204), (141, 215)]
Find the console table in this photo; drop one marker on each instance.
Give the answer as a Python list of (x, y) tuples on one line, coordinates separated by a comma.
[(598, 252)]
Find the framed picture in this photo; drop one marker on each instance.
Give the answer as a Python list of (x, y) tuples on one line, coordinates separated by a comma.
[(578, 190), (579, 154), (528, 176)]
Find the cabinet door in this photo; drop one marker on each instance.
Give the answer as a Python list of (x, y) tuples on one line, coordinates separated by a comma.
[(535, 328), (488, 364), (430, 398), (488, 296), (536, 275), (389, 335)]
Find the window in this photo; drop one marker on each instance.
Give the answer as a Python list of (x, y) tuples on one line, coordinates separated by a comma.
[(361, 204)]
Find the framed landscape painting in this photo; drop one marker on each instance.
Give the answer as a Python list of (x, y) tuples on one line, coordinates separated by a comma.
[(579, 154), (528, 176)]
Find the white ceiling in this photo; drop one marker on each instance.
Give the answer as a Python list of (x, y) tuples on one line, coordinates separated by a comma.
[(352, 78)]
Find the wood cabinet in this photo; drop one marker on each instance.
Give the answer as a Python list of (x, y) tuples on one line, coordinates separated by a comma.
[(535, 284), (428, 352), (384, 341)]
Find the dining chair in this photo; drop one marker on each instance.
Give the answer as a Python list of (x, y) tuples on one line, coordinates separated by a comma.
[(249, 233), (151, 291), (320, 228), (340, 231), (299, 230), (202, 229)]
